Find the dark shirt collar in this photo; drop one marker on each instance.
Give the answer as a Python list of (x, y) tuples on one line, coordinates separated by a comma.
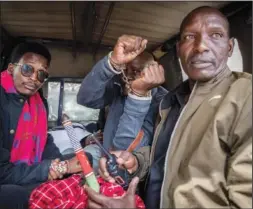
[(179, 95)]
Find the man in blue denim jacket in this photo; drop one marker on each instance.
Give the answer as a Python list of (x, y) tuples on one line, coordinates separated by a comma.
[(132, 105)]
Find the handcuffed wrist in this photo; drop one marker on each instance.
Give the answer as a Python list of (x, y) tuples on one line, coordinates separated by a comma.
[(147, 94), (116, 66)]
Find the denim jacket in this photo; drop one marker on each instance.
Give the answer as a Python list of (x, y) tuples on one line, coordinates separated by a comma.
[(127, 114)]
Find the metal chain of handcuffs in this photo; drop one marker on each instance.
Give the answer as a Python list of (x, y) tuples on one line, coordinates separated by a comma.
[(121, 68), (63, 166)]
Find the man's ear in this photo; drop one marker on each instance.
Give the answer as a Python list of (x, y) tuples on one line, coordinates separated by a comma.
[(231, 44), (10, 68)]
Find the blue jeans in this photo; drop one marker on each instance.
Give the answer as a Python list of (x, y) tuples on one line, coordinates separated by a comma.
[(95, 151)]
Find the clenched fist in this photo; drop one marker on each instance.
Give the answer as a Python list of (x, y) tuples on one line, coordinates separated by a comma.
[(127, 48), (151, 77)]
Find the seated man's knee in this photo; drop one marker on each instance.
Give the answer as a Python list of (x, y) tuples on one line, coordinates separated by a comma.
[(13, 196)]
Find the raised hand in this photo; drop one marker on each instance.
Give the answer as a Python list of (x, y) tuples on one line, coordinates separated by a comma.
[(127, 48), (151, 77)]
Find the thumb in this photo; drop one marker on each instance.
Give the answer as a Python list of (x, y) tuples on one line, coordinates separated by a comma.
[(57, 160), (132, 186), (144, 44)]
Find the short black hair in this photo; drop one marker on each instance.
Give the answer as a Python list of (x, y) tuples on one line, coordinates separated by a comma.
[(27, 47), (198, 9)]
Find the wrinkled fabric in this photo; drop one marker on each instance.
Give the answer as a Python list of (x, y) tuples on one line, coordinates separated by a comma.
[(69, 193)]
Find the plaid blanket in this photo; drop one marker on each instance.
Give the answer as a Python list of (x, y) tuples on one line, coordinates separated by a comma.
[(68, 193)]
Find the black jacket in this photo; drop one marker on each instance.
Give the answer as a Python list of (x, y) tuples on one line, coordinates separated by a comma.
[(176, 99), (11, 106)]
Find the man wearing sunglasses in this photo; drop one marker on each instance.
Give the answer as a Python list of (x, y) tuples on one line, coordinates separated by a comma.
[(28, 155)]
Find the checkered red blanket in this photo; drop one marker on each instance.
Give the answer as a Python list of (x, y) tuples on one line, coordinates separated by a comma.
[(68, 193)]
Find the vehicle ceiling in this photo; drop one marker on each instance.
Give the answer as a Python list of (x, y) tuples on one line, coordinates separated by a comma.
[(97, 24)]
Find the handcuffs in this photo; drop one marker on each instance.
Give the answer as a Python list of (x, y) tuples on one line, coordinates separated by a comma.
[(121, 68)]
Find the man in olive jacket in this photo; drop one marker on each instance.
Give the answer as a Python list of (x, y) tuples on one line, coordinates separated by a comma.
[(201, 156)]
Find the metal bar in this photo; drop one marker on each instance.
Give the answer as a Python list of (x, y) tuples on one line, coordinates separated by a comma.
[(61, 42), (107, 19), (60, 106), (89, 19), (73, 24)]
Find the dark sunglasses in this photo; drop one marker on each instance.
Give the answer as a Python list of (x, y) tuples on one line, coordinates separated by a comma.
[(28, 71)]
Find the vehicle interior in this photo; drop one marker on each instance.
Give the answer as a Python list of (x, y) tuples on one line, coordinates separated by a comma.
[(78, 34)]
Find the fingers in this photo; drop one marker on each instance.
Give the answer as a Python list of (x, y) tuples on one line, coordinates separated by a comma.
[(103, 171), (161, 74), (124, 157), (93, 205), (96, 199), (154, 73), (128, 161), (50, 177), (54, 174), (127, 48), (133, 186), (144, 44), (133, 44)]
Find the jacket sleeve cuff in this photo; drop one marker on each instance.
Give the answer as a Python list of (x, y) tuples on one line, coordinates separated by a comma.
[(142, 156), (43, 172), (135, 106), (141, 170), (139, 98)]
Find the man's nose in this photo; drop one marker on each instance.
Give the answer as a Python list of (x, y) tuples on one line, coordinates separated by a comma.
[(34, 76), (200, 45)]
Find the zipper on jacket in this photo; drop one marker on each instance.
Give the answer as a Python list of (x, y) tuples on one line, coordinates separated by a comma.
[(171, 138)]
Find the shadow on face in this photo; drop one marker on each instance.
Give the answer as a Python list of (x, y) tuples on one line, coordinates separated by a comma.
[(28, 85), (204, 45)]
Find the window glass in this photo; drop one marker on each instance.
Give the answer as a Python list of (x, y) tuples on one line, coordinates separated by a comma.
[(235, 62), (53, 100), (75, 111)]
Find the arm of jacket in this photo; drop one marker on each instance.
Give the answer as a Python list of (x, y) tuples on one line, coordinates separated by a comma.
[(97, 89), (51, 151), (142, 155), (21, 174), (239, 177), (132, 121), (139, 113)]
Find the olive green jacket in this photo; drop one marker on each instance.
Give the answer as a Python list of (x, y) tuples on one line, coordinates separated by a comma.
[(209, 160)]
